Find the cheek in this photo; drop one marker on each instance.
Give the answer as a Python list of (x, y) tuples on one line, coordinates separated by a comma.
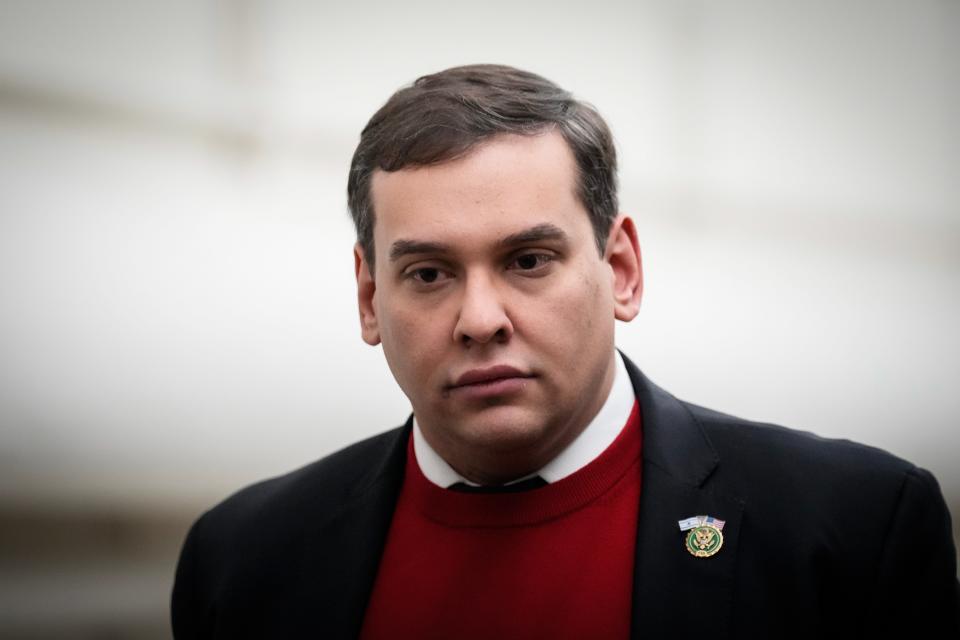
[(573, 318), (595, 315), (411, 340)]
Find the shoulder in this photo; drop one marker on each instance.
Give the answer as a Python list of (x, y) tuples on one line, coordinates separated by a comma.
[(320, 489), (763, 445), (797, 479), (747, 458), (247, 555), (853, 518)]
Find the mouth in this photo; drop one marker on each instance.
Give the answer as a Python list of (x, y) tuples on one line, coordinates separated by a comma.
[(490, 382)]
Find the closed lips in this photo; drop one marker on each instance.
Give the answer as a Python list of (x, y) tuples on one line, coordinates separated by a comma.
[(488, 375)]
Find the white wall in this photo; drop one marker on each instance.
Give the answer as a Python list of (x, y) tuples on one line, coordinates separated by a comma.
[(176, 298)]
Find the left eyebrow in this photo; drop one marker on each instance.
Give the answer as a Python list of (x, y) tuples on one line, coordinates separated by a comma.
[(537, 233), (402, 248)]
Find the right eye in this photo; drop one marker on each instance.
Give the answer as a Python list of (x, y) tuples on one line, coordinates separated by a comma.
[(426, 276)]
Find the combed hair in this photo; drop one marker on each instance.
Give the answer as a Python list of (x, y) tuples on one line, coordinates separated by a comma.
[(442, 116)]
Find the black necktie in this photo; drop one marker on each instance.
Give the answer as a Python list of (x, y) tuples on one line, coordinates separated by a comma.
[(524, 485)]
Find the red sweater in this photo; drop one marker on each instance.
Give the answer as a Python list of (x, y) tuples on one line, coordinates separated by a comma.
[(554, 562)]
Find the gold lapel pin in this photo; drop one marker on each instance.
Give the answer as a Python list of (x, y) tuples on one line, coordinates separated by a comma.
[(704, 535)]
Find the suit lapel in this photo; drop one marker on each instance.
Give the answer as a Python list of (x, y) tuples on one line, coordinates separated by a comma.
[(346, 564), (674, 590)]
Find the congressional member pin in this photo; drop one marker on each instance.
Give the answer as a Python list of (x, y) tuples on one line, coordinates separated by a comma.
[(704, 535)]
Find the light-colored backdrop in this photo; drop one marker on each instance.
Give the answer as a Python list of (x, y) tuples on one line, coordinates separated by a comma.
[(177, 313)]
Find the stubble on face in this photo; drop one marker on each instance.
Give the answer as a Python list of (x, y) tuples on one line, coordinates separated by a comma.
[(463, 303)]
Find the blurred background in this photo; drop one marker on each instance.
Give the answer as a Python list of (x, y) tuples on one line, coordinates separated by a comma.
[(177, 306)]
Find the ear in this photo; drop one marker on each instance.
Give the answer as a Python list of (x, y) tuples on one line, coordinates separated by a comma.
[(623, 256), (366, 290)]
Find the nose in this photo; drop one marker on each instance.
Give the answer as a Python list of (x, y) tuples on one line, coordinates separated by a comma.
[(483, 316)]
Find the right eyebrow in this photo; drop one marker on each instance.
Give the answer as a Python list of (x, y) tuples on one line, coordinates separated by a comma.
[(402, 248)]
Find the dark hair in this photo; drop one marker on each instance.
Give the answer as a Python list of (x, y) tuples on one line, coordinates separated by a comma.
[(442, 116)]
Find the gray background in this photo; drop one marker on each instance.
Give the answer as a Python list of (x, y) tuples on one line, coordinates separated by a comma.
[(177, 306)]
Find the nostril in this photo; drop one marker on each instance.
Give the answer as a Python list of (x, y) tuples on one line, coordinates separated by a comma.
[(500, 335)]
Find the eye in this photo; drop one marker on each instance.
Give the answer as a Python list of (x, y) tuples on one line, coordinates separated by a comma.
[(427, 275), (530, 262)]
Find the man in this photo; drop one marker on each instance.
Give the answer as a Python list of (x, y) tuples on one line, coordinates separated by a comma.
[(543, 487)]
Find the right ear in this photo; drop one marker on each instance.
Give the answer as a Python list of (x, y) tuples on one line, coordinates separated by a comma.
[(366, 290)]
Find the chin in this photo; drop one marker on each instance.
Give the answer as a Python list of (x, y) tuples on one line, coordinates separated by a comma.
[(504, 429)]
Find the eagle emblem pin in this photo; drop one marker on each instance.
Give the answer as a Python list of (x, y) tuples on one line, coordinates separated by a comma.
[(704, 535)]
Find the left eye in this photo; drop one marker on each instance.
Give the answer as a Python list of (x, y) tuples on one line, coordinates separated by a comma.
[(529, 261)]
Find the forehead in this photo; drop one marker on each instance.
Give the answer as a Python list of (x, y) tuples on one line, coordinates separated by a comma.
[(504, 185)]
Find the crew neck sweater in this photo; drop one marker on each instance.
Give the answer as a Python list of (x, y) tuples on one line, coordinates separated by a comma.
[(553, 562)]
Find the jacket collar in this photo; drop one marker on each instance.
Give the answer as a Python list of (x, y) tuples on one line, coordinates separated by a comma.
[(347, 561), (679, 468), (672, 439)]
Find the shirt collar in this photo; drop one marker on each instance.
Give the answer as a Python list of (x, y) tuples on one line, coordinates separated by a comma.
[(592, 441)]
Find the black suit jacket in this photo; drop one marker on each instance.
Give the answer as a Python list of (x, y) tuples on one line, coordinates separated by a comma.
[(823, 539)]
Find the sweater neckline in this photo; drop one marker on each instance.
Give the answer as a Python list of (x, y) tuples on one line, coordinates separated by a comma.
[(499, 510)]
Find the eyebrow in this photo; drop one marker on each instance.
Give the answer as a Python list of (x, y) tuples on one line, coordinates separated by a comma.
[(536, 233), (402, 248)]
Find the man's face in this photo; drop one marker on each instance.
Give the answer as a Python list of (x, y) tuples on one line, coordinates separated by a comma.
[(494, 308)]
